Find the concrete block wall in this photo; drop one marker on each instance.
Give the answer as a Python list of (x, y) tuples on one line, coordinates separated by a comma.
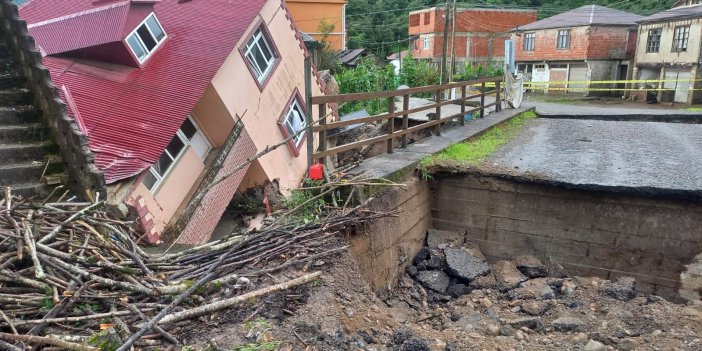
[(589, 233), (384, 247)]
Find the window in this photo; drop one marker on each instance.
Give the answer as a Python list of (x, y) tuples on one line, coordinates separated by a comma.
[(188, 134), (427, 18), (426, 43), (294, 121), (260, 56), (414, 20), (529, 41), (680, 38), (653, 43), (147, 36), (563, 39)]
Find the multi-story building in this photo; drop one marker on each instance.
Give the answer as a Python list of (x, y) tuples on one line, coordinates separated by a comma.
[(571, 49), (311, 16), (668, 51), (173, 95), (480, 34)]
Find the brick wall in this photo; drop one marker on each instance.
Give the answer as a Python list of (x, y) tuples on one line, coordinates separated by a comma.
[(205, 217), (474, 27), (597, 43), (590, 233)]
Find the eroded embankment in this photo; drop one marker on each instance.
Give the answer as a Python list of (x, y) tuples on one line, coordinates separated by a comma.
[(590, 232)]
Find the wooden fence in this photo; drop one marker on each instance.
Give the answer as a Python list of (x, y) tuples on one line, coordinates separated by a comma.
[(323, 127)]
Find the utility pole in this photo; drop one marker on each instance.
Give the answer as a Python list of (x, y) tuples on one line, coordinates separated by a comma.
[(447, 16), (453, 43)]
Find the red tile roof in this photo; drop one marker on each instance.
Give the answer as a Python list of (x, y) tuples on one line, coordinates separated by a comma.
[(132, 113)]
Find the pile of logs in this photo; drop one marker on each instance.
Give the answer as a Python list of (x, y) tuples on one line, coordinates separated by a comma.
[(72, 277)]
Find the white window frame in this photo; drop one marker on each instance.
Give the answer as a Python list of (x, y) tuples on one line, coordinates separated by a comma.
[(254, 42), (186, 144), (563, 39), (427, 43), (143, 46), (529, 41), (681, 38), (288, 116)]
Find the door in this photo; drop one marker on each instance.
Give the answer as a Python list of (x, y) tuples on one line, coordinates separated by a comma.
[(680, 82), (577, 75)]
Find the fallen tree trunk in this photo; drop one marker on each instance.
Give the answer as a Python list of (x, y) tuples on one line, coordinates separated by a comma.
[(47, 341)]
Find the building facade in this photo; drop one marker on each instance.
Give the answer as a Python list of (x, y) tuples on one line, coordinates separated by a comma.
[(480, 34), (168, 108), (668, 53), (590, 43), (312, 15)]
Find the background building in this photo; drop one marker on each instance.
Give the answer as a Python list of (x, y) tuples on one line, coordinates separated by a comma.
[(585, 44), (668, 50), (309, 14), (480, 34)]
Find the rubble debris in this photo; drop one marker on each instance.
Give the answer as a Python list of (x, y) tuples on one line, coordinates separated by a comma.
[(533, 323), (465, 264), (531, 266), (593, 345), (535, 289), (622, 289), (568, 324), (435, 280), (507, 276), (535, 308)]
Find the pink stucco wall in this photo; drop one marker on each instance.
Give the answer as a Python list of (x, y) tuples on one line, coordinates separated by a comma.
[(234, 93)]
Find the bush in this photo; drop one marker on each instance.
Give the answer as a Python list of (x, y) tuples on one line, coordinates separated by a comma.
[(365, 78), (418, 73), (475, 71)]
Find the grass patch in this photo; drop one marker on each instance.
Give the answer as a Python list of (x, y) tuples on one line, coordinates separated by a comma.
[(475, 151), (693, 109)]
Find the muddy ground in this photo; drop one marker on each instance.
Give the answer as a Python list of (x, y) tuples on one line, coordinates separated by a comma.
[(340, 312)]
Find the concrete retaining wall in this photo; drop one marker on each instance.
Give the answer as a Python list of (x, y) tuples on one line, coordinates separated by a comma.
[(589, 233), (384, 247)]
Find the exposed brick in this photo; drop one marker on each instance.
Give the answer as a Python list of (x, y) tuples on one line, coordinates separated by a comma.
[(207, 215)]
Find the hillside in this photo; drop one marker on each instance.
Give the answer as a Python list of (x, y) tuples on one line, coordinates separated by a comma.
[(381, 25)]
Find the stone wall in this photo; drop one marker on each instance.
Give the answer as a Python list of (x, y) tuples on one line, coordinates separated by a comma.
[(384, 247), (590, 233), (84, 175)]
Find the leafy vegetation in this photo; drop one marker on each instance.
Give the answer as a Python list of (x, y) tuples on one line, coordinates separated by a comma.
[(415, 73), (366, 77), (474, 71), (309, 211), (381, 25), (475, 151), (266, 346)]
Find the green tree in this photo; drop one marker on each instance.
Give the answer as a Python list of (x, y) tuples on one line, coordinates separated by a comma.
[(365, 78)]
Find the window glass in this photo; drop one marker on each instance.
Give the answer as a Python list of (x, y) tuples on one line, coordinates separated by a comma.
[(137, 47), (149, 180), (563, 39), (529, 41), (163, 163), (146, 38), (295, 121), (188, 129), (155, 28), (680, 38), (259, 54), (175, 146), (653, 42)]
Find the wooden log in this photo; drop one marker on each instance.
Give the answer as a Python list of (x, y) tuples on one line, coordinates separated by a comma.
[(231, 302), (47, 341)]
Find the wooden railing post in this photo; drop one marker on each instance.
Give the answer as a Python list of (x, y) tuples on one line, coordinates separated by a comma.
[(482, 100), (463, 106), (437, 128), (308, 106), (405, 118), (323, 133), (391, 122), (498, 105)]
